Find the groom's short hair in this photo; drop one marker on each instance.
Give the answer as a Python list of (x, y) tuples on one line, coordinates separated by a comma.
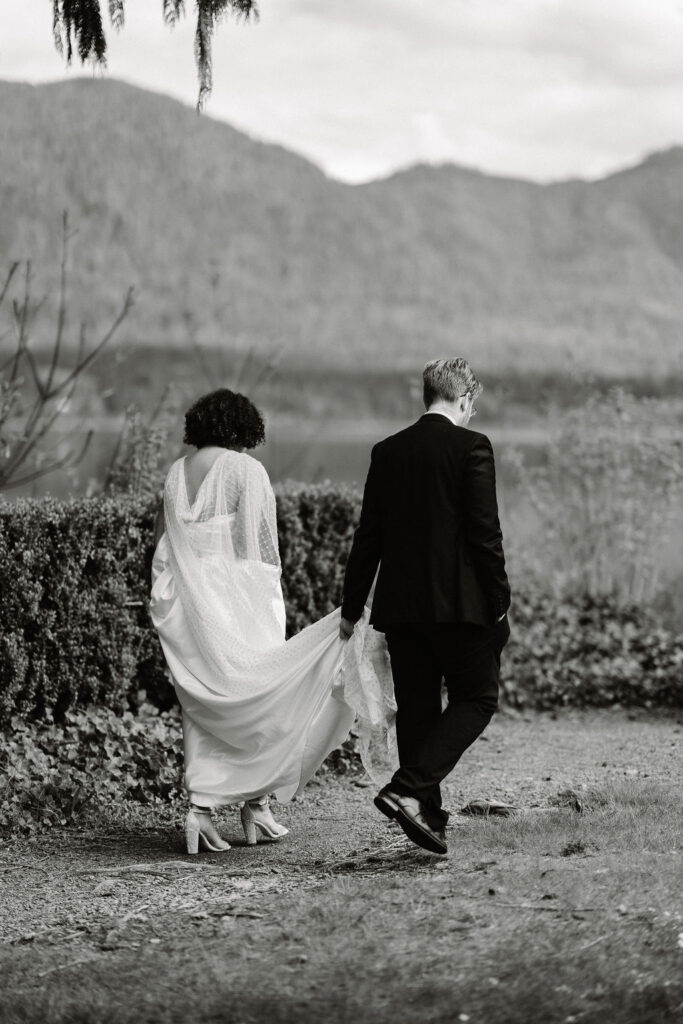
[(448, 379)]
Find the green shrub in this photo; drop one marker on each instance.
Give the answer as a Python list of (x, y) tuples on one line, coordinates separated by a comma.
[(315, 530), (73, 594), (588, 652), (50, 773), (75, 629), (53, 773)]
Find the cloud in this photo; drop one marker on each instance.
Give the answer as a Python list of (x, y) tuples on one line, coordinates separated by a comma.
[(536, 88), (633, 44)]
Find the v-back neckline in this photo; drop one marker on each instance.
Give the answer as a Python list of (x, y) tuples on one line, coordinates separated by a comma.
[(206, 476)]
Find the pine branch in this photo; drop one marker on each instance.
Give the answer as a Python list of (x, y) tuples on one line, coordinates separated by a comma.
[(77, 24), (117, 14), (173, 10), (57, 27), (209, 13), (202, 51)]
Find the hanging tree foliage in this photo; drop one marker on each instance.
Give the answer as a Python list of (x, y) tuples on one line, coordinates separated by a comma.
[(77, 25)]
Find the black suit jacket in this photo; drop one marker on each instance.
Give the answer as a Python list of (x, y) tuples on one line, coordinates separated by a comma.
[(430, 522)]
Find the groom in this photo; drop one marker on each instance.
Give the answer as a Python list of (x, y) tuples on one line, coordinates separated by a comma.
[(430, 522)]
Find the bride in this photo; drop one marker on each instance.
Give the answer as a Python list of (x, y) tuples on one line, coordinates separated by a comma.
[(260, 714)]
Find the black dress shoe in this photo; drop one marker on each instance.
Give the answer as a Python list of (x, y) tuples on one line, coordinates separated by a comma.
[(407, 812)]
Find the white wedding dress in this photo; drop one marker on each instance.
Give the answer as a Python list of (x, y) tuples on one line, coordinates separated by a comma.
[(260, 714)]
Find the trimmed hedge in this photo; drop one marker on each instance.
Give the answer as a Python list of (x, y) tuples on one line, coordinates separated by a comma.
[(75, 631), (315, 528), (74, 592), (73, 595)]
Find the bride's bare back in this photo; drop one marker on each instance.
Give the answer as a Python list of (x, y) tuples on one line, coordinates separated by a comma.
[(197, 465)]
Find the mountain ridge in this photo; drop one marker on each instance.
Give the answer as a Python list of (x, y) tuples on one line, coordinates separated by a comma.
[(242, 244), (675, 149)]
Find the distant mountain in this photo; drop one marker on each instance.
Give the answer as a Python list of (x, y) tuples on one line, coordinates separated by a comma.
[(245, 245)]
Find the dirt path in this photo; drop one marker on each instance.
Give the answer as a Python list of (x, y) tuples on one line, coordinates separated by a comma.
[(83, 893)]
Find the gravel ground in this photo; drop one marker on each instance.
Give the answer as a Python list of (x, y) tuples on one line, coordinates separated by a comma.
[(79, 893)]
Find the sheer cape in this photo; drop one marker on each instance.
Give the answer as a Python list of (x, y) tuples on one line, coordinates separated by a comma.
[(259, 713)]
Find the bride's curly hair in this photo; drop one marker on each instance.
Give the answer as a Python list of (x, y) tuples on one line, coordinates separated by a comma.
[(224, 418)]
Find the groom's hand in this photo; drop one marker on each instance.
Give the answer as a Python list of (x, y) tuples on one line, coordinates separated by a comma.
[(346, 629)]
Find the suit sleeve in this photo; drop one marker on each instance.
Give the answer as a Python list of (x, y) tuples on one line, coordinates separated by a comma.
[(483, 533), (365, 550)]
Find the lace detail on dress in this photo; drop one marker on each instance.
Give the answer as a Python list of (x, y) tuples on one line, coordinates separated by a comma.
[(219, 547), (368, 688)]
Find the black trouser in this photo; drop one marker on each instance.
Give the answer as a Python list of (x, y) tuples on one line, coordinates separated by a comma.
[(432, 741)]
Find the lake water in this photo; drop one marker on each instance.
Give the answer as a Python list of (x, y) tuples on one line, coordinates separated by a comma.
[(340, 453), (308, 452), (344, 455)]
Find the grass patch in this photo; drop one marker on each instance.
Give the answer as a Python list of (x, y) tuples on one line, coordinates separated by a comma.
[(550, 916)]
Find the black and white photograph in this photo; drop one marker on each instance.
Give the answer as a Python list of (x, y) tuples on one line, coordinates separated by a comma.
[(341, 512)]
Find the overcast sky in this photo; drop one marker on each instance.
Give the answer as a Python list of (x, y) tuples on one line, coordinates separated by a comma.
[(542, 89)]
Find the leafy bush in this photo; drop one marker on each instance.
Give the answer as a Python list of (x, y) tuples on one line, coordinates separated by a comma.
[(50, 773), (77, 645), (588, 652), (74, 589), (138, 466), (315, 529)]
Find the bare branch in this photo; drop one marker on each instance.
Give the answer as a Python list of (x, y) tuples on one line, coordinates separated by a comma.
[(269, 369), (61, 309), (33, 416), (67, 462), (9, 359), (83, 363), (20, 320), (8, 280), (34, 372), (81, 342), (40, 431), (111, 468)]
